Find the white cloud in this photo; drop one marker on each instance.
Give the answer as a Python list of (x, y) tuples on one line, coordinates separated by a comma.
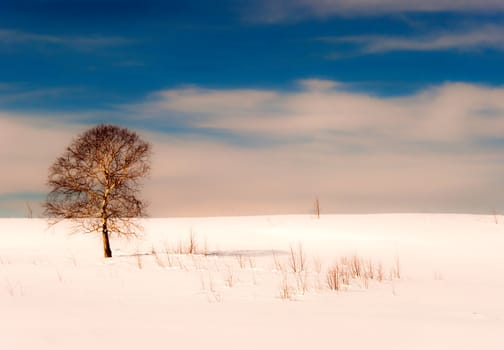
[(14, 37), (10, 93), (447, 113), (26, 144), (318, 84), (358, 152), (216, 102), (286, 10), (482, 37)]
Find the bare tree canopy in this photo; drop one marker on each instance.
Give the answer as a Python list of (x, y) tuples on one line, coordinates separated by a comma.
[(97, 180)]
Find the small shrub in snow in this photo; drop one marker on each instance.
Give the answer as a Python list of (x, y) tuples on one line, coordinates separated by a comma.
[(286, 291), (297, 259), (334, 278)]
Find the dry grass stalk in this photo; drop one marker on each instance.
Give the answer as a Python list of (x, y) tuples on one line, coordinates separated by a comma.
[(205, 248), (169, 260), (157, 258), (29, 210), (356, 266), (139, 260), (297, 259), (366, 281), (60, 276), (252, 262), (208, 283), (379, 272), (241, 261), (189, 247), (302, 281), (395, 273), (370, 273), (349, 269), (212, 294), (229, 278), (278, 265), (398, 268), (286, 291), (192, 246), (334, 278)]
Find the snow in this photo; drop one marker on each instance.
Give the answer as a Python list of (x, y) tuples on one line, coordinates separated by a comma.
[(57, 292)]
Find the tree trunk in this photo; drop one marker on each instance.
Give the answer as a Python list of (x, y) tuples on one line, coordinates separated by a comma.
[(107, 253), (106, 245)]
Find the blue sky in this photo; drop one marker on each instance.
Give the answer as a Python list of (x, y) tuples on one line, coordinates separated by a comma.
[(264, 105)]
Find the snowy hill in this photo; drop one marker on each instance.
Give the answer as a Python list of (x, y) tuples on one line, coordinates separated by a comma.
[(406, 281)]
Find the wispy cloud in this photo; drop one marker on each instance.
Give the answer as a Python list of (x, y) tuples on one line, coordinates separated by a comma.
[(322, 107), (288, 10), (13, 93), (483, 37), (439, 149), (426, 151), (85, 43)]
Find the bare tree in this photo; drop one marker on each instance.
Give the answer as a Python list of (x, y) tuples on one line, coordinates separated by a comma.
[(97, 180)]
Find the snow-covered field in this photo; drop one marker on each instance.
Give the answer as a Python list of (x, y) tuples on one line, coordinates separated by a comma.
[(428, 281)]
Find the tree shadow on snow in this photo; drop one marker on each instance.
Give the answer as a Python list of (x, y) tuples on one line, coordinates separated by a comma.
[(247, 252)]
